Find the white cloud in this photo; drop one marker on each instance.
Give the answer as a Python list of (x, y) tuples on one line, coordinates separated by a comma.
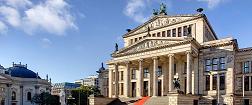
[(46, 43), (3, 28), (134, 9), (212, 3), (52, 16), (10, 15)]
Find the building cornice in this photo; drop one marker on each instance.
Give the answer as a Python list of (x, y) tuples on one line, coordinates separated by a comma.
[(196, 16)]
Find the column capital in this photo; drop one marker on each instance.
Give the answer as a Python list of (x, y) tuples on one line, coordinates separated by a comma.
[(188, 52), (171, 54), (140, 60), (127, 62), (155, 58)]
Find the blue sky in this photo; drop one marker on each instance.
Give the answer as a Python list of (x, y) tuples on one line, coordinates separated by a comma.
[(68, 39)]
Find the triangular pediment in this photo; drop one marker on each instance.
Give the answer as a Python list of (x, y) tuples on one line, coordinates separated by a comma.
[(161, 21), (149, 43)]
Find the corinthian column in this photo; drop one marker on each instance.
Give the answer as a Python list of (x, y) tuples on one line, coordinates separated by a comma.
[(188, 73), (116, 81), (171, 69), (127, 79), (155, 67)]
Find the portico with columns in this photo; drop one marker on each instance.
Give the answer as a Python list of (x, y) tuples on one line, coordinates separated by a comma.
[(153, 74)]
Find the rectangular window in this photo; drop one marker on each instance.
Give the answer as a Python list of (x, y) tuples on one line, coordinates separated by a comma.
[(185, 67), (121, 72), (207, 82), (168, 33), (214, 82), (189, 30), (175, 69), (113, 78), (246, 67), (185, 31), (133, 74), (159, 71), (222, 82), (135, 39), (154, 35), (163, 34), (174, 32), (122, 89), (215, 64), (158, 34), (146, 72), (131, 41), (179, 32), (222, 63), (246, 83), (208, 65)]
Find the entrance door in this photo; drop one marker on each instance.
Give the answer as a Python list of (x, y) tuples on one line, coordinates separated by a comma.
[(246, 102), (145, 88), (159, 87), (185, 85), (133, 92)]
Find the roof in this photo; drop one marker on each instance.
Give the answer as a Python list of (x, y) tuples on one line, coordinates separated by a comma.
[(21, 71)]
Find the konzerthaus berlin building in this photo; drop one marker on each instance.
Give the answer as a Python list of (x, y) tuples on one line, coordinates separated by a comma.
[(182, 49)]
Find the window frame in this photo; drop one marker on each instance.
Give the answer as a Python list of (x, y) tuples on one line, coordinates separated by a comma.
[(215, 64), (163, 34), (174, 32), (146, 72), (133, 74), (208, 65), (180, 32), (246, 67), (168, 33), (222, 63), (207, 83)]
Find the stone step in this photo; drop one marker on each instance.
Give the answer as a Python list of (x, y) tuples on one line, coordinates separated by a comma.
[(157, 101)]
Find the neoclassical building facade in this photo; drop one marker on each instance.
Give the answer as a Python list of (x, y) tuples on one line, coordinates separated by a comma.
[(181, 49), (18, 85)]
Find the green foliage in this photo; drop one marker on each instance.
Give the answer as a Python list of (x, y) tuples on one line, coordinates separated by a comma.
[(45, 98), (81, 95)]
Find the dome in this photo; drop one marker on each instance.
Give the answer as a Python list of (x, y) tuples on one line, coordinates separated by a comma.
[(21, 71)]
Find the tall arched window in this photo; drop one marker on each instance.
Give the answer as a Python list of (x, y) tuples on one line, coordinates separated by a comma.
[(29, 97), (13, 96)]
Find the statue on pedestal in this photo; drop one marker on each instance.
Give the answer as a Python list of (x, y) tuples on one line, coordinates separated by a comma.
[(62, 96)]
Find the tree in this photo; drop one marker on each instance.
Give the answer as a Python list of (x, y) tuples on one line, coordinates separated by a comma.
[(81, 94), (45, 98)]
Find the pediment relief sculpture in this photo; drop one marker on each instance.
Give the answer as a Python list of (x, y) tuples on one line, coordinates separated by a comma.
[(147, 44)]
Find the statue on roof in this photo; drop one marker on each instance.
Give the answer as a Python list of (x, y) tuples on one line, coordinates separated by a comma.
[(116, 47), (155, 12), (163, 9)]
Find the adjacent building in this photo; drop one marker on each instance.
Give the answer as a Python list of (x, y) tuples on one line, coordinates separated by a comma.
[(18, 85), (91, 80), (103, 81), (180, 57), (65, 86)]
